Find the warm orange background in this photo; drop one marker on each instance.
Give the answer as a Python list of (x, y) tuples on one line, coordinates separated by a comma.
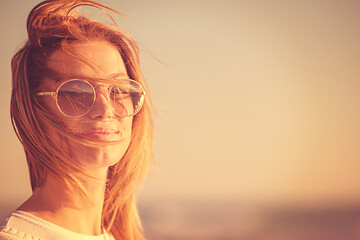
[(256, 100)]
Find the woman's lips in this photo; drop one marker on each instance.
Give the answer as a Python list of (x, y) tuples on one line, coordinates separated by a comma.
[(102, 134)]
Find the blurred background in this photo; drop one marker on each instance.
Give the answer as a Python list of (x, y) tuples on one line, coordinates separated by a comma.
[(257, 117)]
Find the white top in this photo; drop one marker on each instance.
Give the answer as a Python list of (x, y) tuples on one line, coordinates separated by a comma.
[(22, 225)]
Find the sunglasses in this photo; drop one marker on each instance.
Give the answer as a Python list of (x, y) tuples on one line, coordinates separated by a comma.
[(75, 97)]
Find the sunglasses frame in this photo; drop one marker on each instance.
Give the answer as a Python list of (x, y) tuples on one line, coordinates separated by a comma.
[(141, 100)]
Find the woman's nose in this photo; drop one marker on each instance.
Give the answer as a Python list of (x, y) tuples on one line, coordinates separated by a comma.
[(102, 106)]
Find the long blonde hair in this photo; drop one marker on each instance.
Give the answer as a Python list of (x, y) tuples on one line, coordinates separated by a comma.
[(52, 25)]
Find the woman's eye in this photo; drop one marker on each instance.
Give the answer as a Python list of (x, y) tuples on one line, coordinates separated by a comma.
[(120, 93)]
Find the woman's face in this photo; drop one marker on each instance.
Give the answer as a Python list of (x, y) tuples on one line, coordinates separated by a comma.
[(101, 122)]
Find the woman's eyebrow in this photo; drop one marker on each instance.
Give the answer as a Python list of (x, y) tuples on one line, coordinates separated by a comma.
[(63, 76), (58, 76), (116, 75), (55, 75)]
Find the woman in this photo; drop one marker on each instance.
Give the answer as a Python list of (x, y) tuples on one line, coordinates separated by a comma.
[(79, 108)]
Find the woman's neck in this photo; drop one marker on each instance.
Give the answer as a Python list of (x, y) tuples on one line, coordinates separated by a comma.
[(70, 210)]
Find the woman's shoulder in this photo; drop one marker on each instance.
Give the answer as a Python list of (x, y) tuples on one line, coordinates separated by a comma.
[(10, 231), (22, 225)]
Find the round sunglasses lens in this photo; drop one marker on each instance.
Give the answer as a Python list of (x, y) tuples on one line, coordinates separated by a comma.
[(126, 98), (75, 98)]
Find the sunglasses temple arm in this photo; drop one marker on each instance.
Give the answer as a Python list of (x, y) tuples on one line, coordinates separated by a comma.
[(46, 93)]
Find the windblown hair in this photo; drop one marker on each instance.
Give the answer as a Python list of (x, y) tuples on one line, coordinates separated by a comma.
[(53, 25)]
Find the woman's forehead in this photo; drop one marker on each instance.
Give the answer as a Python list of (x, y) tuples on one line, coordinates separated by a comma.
[(91, 59)]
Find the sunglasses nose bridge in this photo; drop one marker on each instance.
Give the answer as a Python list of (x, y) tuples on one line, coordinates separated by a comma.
[(103, 90), (102, 105)]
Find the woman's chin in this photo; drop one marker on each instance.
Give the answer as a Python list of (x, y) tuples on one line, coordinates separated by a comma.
[(99, 157)]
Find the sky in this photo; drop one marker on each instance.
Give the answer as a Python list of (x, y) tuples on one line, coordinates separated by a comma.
[(255, 100)]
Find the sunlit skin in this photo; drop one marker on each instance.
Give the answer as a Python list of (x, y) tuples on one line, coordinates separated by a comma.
[(50, 202)]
